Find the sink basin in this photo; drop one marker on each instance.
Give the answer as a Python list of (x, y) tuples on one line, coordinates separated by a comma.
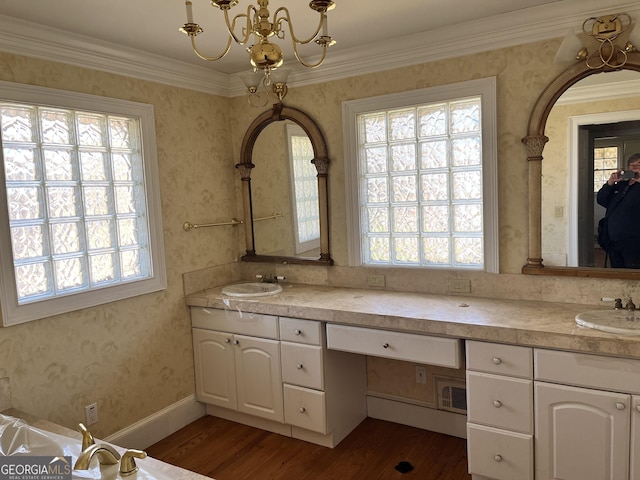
[(18, 438), (612, 321), (252, 289)]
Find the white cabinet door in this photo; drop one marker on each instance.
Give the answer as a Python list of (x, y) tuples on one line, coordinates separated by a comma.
[(214, 368), (581, 434), (635, 439), (259, 378)]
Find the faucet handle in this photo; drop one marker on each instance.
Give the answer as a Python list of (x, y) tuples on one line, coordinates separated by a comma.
[(87, 438), (128, 464)]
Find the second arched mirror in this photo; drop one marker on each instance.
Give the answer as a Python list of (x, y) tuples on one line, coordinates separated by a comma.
[(284, 166)]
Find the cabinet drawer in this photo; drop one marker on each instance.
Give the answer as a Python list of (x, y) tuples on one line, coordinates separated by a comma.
[(500, 359), (245, 323), (410, 347), (502, 402), (305, 408), (300, 331), (499, 454), (302, 365), (584, 370)]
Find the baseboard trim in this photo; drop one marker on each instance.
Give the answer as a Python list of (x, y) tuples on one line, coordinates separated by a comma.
[(161, 424), (417, 416)]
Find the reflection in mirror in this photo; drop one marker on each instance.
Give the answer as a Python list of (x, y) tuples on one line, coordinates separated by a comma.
[(593, 128), (284, 192)]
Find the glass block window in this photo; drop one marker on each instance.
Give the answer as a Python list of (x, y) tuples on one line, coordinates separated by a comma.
[(304, 190), (421, 172), (77, 206)]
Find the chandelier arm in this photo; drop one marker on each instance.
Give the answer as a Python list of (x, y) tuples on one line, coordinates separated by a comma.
[(306, 64), (231, 26), (204, 57), (287, 18)]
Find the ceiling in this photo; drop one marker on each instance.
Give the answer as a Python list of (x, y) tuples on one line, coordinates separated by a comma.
[(146, 31)]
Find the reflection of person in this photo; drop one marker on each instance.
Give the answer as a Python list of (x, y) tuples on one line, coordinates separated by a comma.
[(621, 198)]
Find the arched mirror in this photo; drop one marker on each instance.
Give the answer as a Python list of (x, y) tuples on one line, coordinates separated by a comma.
[(284, 167), (587, 125)]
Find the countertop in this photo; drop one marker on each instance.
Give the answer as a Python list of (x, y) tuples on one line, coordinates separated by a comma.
[(517, 322), (173, 472)]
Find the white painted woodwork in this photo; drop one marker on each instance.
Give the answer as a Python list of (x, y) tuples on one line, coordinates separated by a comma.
[(234, 321), (634, 445), (584, 370), (500, 401), (302, 365), (499, 454), (258, 377), (581, 434), (425, 349), (500, 359), (301, 331), (215, 369), (305, 408)]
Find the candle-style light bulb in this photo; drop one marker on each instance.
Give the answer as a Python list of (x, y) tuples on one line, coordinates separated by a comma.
[(189, 11), (325, 25)]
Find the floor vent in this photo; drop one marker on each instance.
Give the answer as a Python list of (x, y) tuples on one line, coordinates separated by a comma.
[(452, 395)]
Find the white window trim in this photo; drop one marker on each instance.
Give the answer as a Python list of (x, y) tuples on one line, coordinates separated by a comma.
[(486, 89), (12, 313)]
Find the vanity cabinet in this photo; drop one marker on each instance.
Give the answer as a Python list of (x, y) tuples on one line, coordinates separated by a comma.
[(276, 373), (500, 411), (235, 371), (586, 416)]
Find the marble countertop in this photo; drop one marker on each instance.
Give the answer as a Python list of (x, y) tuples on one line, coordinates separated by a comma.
[(173, 472), (528, 323)]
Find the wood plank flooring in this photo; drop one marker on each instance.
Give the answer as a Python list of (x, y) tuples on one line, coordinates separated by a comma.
[(226, 450)]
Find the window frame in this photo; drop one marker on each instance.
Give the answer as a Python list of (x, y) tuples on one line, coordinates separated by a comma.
[(484, 88), (14, 313)]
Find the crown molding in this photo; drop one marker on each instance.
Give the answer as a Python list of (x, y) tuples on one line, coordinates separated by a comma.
[(526, 26)]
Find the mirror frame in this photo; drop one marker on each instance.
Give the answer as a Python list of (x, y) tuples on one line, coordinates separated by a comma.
[(535, 142), (321, 161)]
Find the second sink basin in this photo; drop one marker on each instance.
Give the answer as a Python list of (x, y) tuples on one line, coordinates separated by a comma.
[(252, 289), (612, 321)]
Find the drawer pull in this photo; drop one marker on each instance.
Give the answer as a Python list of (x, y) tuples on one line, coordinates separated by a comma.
[(297, 332), (497, 360), (497, 403), (227, 340), (498, 458), (302, 409), (299, 366), (236, 342), (385, 345), (620, 406)]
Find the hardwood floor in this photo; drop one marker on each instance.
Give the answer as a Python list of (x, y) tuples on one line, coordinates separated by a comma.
[(226, 450)]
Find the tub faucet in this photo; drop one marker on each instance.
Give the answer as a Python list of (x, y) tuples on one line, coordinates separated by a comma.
[(106, 454)]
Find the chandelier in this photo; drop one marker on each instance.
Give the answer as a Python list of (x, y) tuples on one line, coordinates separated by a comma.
[(264, 55), (603, 43)]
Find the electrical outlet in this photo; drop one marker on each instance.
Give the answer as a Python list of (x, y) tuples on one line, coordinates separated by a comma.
[(375, 281), (421, 374), (91, 414), (460, 286)]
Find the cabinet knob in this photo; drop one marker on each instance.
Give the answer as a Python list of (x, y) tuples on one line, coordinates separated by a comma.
[(236, 342), (498, 458), (620, 406), (497, 403), (385, 345), (227, 340), (299, 366), (497, 360), (297, 332), (302, 409)]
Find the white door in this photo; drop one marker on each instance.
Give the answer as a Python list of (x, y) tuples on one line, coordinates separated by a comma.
[(259, 378), (214, 368), (581, 434), (635, 439)]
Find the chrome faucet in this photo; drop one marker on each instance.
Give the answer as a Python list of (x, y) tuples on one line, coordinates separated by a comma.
[(106, 454), (270, 278)]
